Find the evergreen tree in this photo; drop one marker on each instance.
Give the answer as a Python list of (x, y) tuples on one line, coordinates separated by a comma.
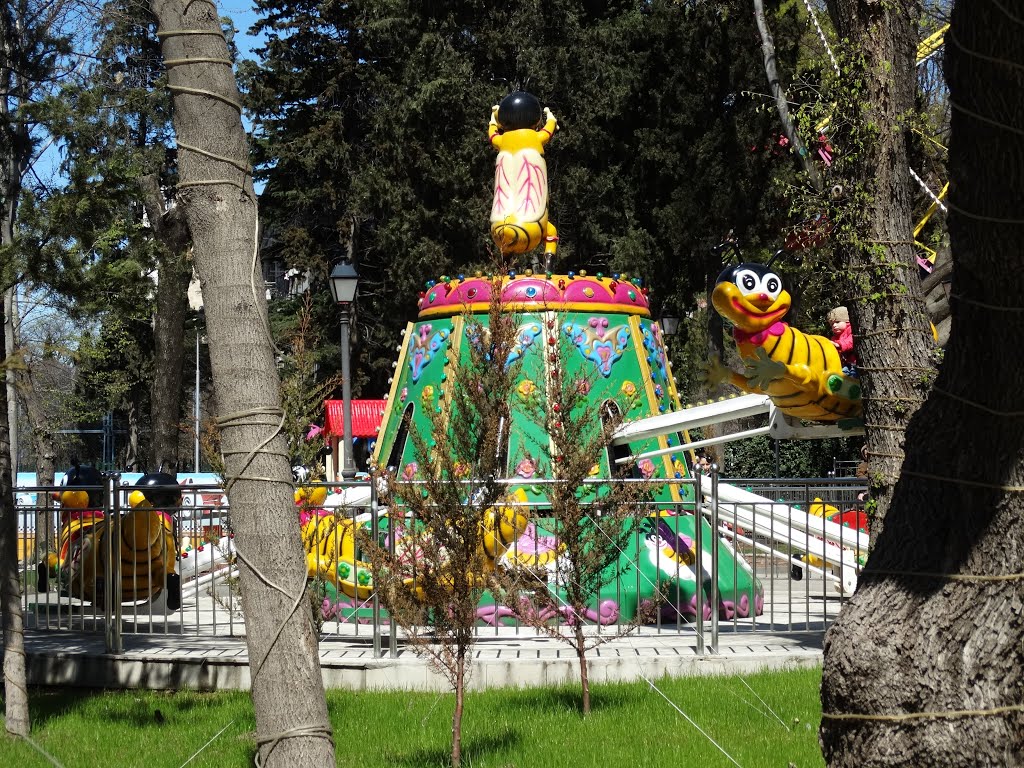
[(370, 120), (109, 242)]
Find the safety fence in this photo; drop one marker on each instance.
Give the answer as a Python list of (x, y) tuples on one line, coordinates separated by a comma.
[(119, 566)]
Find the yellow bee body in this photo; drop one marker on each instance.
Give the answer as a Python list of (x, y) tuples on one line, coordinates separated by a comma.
[(519, 213), (801, 373)]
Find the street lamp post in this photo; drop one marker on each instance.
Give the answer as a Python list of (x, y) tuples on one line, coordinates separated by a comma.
[(344, 284), (195, 409), (669, 324)]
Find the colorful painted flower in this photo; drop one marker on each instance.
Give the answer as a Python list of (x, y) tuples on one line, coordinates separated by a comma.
[(646, 468), (583, 387), (594, 470), (526, 390), (628, 389), (462, 469), (403, 395), (428, 396), (526, 468), (409, 473)]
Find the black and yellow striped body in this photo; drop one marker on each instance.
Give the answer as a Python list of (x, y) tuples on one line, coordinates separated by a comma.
[(800, 372), (813, 386)]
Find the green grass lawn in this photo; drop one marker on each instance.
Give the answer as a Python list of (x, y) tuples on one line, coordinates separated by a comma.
[(767, 719)]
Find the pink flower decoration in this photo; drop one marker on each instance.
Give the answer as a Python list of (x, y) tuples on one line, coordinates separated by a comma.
[(526, 468), (646, 468)]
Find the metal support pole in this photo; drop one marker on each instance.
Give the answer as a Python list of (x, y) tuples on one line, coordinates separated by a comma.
[(698, 546), (713, 596), (348, 468), (375, 528), (195, 408), (112, 573)]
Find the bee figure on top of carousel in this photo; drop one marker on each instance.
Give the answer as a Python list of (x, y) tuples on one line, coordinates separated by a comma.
[(519, 129), (802, 373)]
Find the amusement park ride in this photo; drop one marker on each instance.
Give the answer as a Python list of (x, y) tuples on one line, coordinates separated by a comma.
[(594, 327)]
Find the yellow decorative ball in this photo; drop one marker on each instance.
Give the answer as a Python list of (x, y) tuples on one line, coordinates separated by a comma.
[(74, 499)]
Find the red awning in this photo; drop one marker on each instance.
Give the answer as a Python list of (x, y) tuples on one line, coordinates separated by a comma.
[(366, 417)]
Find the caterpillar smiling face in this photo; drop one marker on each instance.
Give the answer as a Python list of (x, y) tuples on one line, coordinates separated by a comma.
[(751, 296)]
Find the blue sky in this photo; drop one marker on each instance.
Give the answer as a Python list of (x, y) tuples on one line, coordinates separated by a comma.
[(244, 16)]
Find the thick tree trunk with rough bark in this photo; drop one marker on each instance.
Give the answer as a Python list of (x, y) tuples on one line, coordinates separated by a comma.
[(169, 354), (216, 195), (15, 687), (175, 271), (876, 258), (926, 664), (14, 153)]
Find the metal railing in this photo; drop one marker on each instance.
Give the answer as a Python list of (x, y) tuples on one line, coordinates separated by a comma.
[(806, 567)]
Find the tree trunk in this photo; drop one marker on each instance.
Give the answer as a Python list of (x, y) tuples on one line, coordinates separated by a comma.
[(15, 686), (14, 153), (460, 697), (131, 451), (169, 334), (877, 264), (581, 654), (11, 344), (930, 645), (219, 205), (781, 100), (175, 272), (36, 391), (46, 532)]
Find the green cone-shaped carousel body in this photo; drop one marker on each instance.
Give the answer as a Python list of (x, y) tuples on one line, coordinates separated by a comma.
[(596, 329)]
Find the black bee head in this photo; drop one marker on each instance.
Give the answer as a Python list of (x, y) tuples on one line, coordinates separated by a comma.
[(751, 296)]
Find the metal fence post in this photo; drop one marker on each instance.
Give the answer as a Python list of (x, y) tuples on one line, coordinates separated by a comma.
[(713, 596), (698, 545), (374, 527), (112, 573), (392, 522)]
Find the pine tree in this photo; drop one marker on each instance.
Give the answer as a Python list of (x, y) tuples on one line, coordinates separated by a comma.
[(370, 120), (98, 240), (432, 579), (594, 512)]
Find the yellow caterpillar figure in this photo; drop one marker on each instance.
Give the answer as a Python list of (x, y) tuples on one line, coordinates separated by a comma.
[(519, 215), (330, 541), (801, 373)]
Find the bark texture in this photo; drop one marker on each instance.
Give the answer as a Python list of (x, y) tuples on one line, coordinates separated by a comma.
[(779, 95), (877, 267), (931, 643), (15, 150), (175, 271), (16, 714), (216, 195)]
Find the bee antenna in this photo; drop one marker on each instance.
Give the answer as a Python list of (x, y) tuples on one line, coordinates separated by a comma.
[(775, 256), (730, 247)]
